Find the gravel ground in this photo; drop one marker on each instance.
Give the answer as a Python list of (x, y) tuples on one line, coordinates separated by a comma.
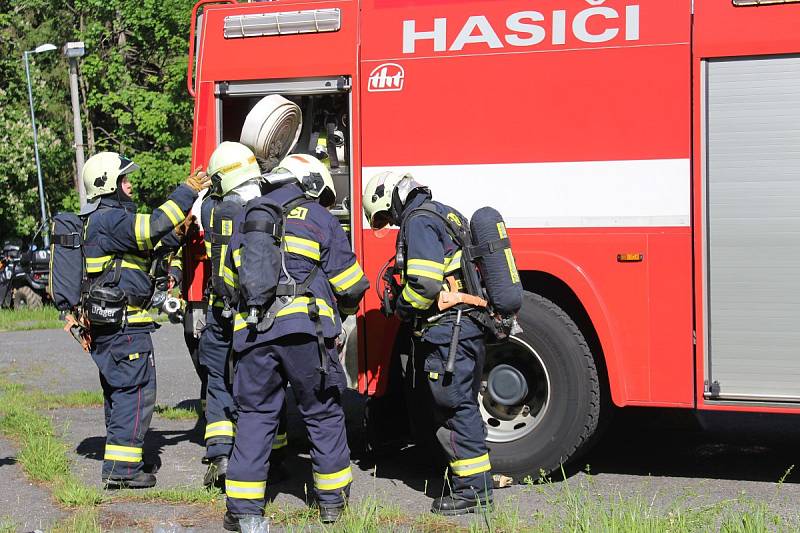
[(661, 454)]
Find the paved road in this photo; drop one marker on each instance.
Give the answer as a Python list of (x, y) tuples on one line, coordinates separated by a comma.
[(660, 454)]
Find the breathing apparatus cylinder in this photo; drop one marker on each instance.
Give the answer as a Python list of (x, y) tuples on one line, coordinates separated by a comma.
[(491, 251)]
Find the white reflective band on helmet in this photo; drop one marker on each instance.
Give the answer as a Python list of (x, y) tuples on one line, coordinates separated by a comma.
[(272, 128), (334, 481), (245, 490)]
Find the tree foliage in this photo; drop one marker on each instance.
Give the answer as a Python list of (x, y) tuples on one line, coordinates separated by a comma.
[(133, 99)]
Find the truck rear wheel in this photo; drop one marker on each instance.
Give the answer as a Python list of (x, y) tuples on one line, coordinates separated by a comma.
[(540, 396), (25, 297)]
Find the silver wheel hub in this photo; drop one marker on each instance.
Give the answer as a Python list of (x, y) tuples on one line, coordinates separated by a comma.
[(515, 390)]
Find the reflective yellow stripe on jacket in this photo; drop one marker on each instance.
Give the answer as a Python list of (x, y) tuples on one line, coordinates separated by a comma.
[(173, 212), (425, 269), (452, 263), (141, 231), (298, 305), (416, 300), (95, 265), (347, 278), (138, 316), (301, 246)]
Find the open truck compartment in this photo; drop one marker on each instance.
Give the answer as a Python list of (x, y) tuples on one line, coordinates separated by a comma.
[(326, 107)]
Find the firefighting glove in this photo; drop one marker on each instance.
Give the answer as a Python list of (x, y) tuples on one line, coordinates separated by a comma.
[(198, 180)]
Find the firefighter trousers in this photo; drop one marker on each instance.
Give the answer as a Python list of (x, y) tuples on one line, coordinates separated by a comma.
[(262, 372), (460, 428), (128, 377), (214, 350)]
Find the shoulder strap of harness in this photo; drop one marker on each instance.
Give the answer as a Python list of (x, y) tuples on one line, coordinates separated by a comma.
[(460, 234)]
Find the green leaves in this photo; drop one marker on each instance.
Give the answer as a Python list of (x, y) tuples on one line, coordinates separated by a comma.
[(133, 90)]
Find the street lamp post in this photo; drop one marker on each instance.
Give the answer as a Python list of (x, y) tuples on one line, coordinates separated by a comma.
[(74, 51), (38, 50)]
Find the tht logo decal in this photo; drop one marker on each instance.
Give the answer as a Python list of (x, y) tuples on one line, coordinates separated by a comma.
[(386, 77)]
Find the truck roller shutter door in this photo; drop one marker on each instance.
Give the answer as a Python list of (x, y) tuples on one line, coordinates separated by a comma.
[(752, 228)]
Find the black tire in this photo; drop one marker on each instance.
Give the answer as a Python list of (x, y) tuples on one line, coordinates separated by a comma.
[(26, 298), (563, 429)]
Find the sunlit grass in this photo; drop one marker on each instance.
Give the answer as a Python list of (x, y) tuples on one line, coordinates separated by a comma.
[(28, 319)]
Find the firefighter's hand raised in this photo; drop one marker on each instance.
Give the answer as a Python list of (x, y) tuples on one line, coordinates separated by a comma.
[(198, 180)]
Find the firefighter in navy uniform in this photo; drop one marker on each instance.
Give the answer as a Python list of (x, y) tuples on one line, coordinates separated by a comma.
[(236, 176), (299, 347), (118, 246), (430, 255)]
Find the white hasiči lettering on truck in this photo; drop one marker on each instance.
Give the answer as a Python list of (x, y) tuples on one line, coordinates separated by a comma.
[(595, 24)]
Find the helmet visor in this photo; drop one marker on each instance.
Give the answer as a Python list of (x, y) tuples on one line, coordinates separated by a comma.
[(126, 166)]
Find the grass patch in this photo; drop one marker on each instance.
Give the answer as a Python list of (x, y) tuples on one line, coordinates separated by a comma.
[(172, 495), (28, 319), (82, 521), (76, 399), (47, 317), (8, 524), (177, 413), (42, 455), (71, 492)]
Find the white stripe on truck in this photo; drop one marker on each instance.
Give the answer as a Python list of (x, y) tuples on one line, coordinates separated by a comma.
[(634, 193)]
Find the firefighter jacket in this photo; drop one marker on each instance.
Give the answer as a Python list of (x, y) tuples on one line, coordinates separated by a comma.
[(431, 255), (312, 237), (116, 233)]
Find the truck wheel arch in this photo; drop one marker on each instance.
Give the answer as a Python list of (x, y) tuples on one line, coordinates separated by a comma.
[(566, 284)]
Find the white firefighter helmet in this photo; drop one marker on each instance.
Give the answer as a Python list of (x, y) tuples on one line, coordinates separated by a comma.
[(380, 205), (313, 176), (101, 171), (231, 165)]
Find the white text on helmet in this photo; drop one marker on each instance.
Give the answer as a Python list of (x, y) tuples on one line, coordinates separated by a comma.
[(595, 24)]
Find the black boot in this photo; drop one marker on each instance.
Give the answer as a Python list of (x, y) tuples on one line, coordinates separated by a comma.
[(142, 480), (450, 506), (231, 521), (215, 475), (328, 514)]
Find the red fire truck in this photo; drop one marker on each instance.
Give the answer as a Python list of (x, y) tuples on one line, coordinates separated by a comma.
[(645, 153)]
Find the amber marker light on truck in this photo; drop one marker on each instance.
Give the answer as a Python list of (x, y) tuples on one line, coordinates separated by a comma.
[(630, 258)]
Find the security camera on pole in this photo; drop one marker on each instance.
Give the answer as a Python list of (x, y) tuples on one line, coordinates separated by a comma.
[(38, 50), (73, 51)]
